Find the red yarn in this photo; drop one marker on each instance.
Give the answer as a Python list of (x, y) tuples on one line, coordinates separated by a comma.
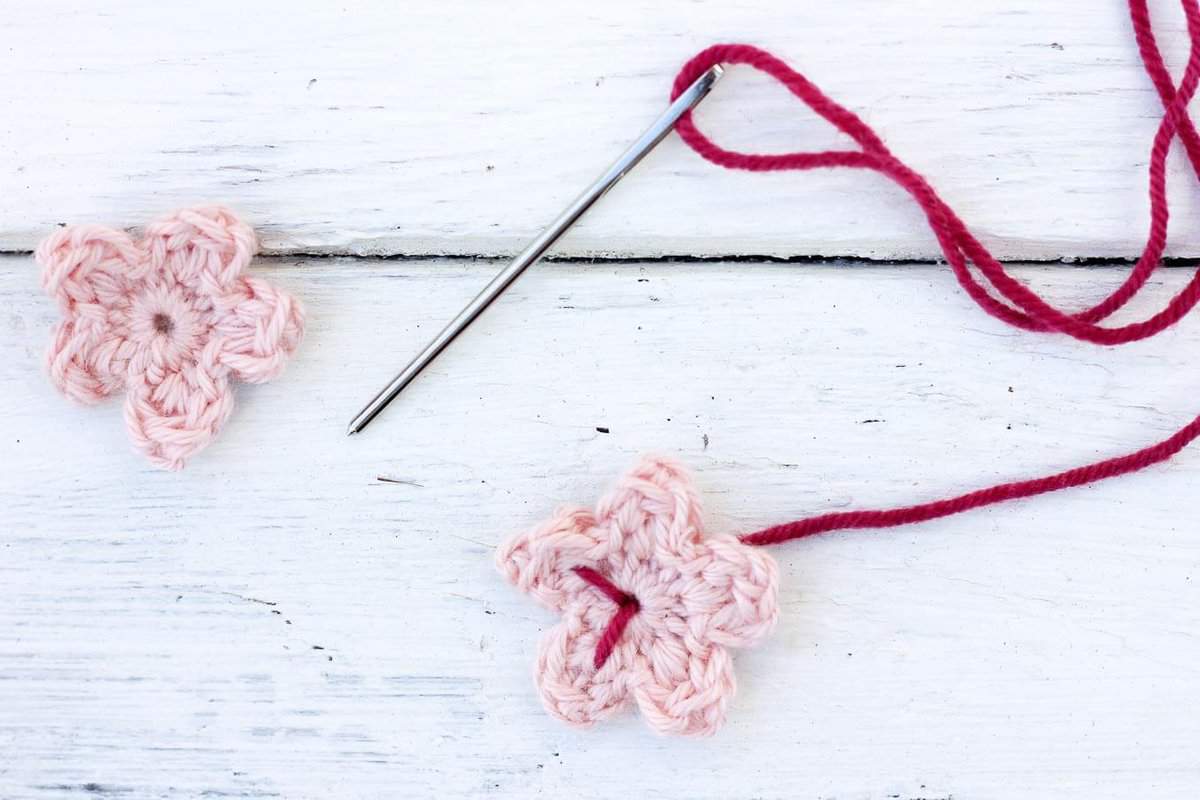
[(627, 606), (1017, 304)]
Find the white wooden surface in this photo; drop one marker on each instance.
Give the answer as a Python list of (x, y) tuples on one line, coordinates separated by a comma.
[(159, 632), (463, 126), (301, 615)]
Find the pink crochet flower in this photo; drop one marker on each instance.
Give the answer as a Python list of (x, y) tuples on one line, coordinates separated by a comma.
[(649, 605), (170, 318)]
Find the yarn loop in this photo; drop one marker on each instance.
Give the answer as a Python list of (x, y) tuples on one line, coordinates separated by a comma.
[(1012, 301)]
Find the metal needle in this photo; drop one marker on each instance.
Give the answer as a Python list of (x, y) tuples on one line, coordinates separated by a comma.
[(538, 247)]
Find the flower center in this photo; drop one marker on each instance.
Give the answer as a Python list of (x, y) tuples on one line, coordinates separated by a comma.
[(163, 323), (627, 607)]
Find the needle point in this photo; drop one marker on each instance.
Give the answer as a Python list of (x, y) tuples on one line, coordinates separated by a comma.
[(538, 247)]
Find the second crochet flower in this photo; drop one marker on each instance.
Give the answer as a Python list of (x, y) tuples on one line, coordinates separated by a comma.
[(649, 604), (171, 319)]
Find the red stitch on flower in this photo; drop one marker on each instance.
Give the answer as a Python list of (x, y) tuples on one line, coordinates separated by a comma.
[(627, 606)]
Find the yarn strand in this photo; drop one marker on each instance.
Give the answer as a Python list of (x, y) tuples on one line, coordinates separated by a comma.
[(1012, 301), (889, 518)]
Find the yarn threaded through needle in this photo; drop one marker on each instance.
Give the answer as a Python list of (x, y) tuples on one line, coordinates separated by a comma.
[(999, 293)]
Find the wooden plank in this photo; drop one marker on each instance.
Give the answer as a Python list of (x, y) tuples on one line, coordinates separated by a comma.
[(276, 621), (462, 127)]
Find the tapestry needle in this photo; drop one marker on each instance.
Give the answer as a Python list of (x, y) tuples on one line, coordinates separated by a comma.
[(538, 247)]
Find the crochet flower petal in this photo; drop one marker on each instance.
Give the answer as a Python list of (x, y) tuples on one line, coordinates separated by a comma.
[(259, 328), (205, 249), (733, 597), (685, 692), (90, 271), (539, 562), (653, 513), (571, 687), (86, 360), (89, 265), (174, 415)]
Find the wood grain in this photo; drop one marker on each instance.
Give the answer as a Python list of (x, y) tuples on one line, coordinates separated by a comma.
[(462, 127), (303, 615)]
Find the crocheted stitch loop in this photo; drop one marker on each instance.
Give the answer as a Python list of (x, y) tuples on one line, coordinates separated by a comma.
[(687, 598), (171, 319)]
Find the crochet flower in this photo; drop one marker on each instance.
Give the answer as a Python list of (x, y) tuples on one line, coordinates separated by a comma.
[(648, 603), (169, 318)]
